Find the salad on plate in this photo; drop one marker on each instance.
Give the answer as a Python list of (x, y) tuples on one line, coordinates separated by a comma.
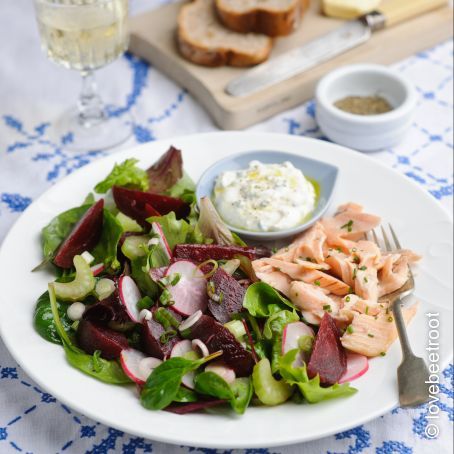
[(152, 288)]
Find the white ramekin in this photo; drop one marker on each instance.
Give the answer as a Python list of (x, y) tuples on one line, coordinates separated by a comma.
[(365, 132)]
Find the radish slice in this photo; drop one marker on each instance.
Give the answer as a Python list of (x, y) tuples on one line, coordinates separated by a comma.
[(130, 362), (148, 365), (190, 293), (157, 273), (291, 334), (357, 365), (220, 368), (97, 269), (190, 322), (198, 345), (181, 348), (157, 229), (129, 297)]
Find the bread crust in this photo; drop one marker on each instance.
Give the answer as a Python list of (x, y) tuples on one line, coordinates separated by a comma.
[(200, 54), (262, 20)]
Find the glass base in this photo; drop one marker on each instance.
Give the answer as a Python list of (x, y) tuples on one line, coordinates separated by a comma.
[(78, 135)]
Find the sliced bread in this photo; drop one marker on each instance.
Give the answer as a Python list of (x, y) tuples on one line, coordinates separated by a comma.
[(202, 39), (270, 17)]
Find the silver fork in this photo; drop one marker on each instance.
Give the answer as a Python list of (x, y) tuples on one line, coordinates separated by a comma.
[(412, 374)]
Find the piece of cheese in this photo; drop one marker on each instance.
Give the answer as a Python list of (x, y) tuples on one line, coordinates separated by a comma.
[(349, 9)]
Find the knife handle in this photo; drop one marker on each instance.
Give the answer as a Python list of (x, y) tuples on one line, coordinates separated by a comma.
[(396, 11)]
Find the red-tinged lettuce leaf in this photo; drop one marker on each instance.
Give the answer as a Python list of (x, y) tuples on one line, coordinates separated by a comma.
[(165, 173)]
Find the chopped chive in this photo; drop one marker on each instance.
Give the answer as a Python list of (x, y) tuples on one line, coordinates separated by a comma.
[(355, 272), (356, 259), (327, 307), (363, 268), (347, 299), (317, 283), (348, 225), (366, 280), (367, 310), (390, 319), (383, 354), (350, 329), (371, 335)]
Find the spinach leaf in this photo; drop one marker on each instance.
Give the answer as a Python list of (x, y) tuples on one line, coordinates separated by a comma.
[(163, 384), (185, 395), (59, 228), (310, 388), (213, 385), (242, 394), (95, 366), (106, 249), (44, 320), (126, 175), (261, 300)]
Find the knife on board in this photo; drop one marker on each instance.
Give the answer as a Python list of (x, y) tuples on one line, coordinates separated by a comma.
[(351, 34)]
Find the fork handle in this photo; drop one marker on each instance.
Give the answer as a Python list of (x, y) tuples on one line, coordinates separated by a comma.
[(401, 329)]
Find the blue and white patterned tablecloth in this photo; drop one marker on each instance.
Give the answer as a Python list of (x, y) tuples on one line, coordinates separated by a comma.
[(33, 92)]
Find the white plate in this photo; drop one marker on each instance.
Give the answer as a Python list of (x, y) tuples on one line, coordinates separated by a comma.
[(420, 223)]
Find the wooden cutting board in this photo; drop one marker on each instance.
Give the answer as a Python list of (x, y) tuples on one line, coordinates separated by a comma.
[(153, 38)]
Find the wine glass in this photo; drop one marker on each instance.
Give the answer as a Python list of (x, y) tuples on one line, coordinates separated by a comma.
[(85, 35)]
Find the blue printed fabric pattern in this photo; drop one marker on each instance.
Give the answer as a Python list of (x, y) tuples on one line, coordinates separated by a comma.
[(32, 94)]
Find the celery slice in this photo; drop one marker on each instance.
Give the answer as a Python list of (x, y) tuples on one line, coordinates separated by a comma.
[(83, 284), (269, 390)]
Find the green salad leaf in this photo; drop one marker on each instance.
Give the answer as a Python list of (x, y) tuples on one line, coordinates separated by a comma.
[(310, 388), (262, 300), (106, 249), (238, 394), (185, 395), (164, 383), (273, 330), (107, 371), (183, 189), (126, 175), (242, 394), (178, 231), (43, 319), (213, 385), (59, 228)]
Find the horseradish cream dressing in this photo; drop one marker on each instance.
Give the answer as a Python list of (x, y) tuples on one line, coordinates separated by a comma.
[(264, 197)]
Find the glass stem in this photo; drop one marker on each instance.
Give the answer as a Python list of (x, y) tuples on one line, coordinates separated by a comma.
[(91, 107)]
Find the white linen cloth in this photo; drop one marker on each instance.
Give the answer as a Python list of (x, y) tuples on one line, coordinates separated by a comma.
[(33, 92)]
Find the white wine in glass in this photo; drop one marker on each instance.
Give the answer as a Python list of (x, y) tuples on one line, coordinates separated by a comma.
[(85, 35)]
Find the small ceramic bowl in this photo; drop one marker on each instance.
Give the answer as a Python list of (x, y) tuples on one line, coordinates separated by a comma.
[(365, 132), (324, 174)]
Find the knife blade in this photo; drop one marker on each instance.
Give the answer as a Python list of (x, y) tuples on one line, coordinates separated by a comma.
[(350, 35), (298, 60)]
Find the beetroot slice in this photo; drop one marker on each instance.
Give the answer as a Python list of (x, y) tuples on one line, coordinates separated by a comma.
[(83, 237), (151, 333), (202, 252), (184, 409), (92, 337), (216, 337), (228, 296), (107, 310), (163, 174), (142, 205), (328, 358)]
